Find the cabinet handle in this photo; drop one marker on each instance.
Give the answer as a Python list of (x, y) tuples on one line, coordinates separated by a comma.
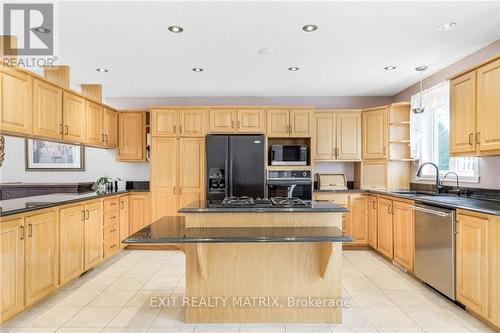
[(180, 190), (122, 204), (66, 129), (471, 138), (373, 204), (180, 128), (113, 230), (22, 232), (113, 203), (232, 123), (289, 128), (174, 189), (112, 246), (60, 128), (83, 217), (102, 137), (112, 217), (88, 214), (238, 124), (175, 128), (30, 230), (478, 138), (106, 137)]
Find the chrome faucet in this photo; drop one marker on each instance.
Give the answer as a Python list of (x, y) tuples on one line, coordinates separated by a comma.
[(438, 183), (457, 190)]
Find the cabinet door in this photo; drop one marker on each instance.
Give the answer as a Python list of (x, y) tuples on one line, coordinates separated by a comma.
[(222, 120), (463, 114), (163, 203), (374, 174), (324, 149), (300, 123), (374, 133), (72, 242), (16, 101), (164, 122), (191, 170), (251, 121), (94, 126), (192, 123), (110, 122), (73, 117), (41, 256), (348, 141), (47, 110), (139, 212), (472, 263), (164, 177), (124, 219), (385, 228), (488, 107), (404, 235), (93, 234), (358, 219), (12, 235), (372, 221), (131, 136), (278, 123)]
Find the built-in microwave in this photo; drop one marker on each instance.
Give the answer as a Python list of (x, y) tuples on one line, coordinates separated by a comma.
[(288, 155)]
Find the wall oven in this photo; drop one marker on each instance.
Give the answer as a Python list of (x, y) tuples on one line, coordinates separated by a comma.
[(288, 155), (288, 184)]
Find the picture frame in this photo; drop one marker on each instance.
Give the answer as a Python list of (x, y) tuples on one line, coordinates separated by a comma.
[(40, 155)]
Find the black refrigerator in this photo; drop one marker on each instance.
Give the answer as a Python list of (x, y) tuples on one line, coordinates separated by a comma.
[(235, 166)]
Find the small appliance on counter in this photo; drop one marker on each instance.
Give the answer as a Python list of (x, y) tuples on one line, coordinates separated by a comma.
[(327, 181)]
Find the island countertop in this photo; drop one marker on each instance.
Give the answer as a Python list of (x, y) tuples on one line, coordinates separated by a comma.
[(214, 206)]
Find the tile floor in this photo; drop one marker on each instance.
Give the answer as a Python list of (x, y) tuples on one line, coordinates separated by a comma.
[(115, 297)]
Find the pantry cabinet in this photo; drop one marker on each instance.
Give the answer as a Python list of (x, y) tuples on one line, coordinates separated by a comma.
[(131, 136), (71, 242), (73, 117), (385, 227), (375, 133), (289, 122), (16, 102)]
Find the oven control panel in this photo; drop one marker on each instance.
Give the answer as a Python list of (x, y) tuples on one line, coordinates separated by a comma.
[(288, 174)]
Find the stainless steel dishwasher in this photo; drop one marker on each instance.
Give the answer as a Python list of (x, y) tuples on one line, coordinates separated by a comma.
[(435, 247)]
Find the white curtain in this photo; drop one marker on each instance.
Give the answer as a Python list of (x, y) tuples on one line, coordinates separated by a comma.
[(435, 97)]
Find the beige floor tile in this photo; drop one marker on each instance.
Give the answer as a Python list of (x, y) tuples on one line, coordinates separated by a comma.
[(217, 328), (126, 283), (358, 284), (147, 298), (98, 283), (371, 298), (125, 330), (80, 297), (428, 317), (260, 328), (353, 317), (79, 330), (389, 316), (169, 317), (135, 317), (411, 329), (464, 318), (54, 317), (27, 330), (408, 298), (93, 316), (390, 283), (339, 329), (307, 328), (113, 298), (112, 272), (173, 329)]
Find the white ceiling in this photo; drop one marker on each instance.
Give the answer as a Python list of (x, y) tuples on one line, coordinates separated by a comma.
[(344, 57)]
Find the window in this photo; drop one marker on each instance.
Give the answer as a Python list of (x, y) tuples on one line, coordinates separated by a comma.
[(430, 136)]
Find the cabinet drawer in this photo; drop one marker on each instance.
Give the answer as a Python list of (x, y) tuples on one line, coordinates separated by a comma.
[(340, 199), (110, 204), (111, 231), (111, 217), (111, 245)]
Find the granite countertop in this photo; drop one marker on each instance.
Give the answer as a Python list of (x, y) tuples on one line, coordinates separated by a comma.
[(22, 205), (213, 206), (165, 230)]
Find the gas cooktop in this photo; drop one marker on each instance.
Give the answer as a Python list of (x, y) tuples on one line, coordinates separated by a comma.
[(278, 202)]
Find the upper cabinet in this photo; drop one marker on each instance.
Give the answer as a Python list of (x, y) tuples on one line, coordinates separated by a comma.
[(282, 123), (251, 120), (94, 119), (337, 136), (73, 117), (241, 120), (222, 120), (164, 122), (131, 136), (192, 122), (110, 123), (16, 102), (375, 133), (47, 110), (474, 116), (178, 122)]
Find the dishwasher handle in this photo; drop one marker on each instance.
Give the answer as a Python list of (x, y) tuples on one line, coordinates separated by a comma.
[(430, 211)]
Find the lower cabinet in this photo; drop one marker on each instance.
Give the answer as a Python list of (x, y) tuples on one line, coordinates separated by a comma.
[(124, 219), (385, 227), (138, 211), (71, 242), (404, 234), (358, 219), (93, 234), (372, 221)]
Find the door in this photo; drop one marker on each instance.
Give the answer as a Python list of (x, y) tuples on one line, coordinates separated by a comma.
[(348, 136), (72, 242), (124, 219), (246, 176), (404, 234), (47, 110), (251, 121), (358, 219), (131, 136), (278, 123), (12, 235), (164, 172), (463, 114), (217, 170), (94, 125), (41, 261), (16, 98), (138, 212), (488, 107), (93, 234), (164, 122), (191, 170), (222, 120), (372, 221), (300, 123), (110, 127), (472, 263), (192, 122), (374, 133), (324, 149), (385, 228), (73, 117)]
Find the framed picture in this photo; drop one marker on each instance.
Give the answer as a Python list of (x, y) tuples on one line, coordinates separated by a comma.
[(52, 156)]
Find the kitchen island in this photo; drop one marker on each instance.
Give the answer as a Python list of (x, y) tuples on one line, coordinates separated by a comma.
[(260, 264)]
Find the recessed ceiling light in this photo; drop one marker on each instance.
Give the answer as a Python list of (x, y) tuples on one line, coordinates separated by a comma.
[(102, 70), (310, 28), (390, 68), (293, 68), (175, 29), (43, 30), (266, 51), (447, 26), (197, 69)]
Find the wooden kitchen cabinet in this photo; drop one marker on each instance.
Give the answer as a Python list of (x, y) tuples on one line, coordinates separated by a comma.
[(295, 123), (12, 238), (191, 170), (372, 221), (110, 125), (404, 234), (42, 255), (164, 122), (16, 102), (300, 123), (278, 123), (375, 133), (463, 114), (47, 110), (179, 122), (94, 124), (251, 121), (339, 199), (73, 117), (325, 138), (242, 120), (488, 108), (124, 219), (131, 136), (222, 120), (71, 242), (111, 226), (192, 122), (139, 208), (358, 219), (385, 227), (93, 233)]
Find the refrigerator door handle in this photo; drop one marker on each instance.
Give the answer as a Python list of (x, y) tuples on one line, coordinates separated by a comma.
[(226, 177)]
